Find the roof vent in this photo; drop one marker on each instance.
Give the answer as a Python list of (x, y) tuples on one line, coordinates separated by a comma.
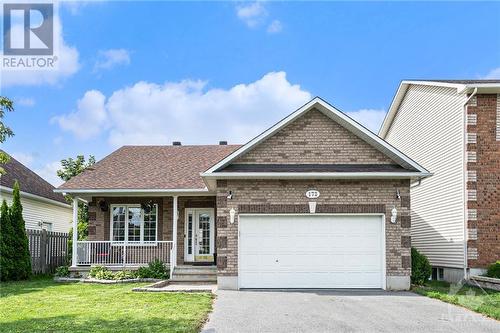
[(222, 143), (176, 143)]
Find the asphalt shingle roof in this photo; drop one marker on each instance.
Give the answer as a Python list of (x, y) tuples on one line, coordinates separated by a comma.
[(29, 181), (151, 167)]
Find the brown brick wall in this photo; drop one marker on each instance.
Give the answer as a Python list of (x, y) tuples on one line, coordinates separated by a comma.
[(485, 247), (314, 138), (344, 196)]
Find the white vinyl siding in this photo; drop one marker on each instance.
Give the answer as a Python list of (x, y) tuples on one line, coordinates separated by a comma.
[(429, 128), (36, 213)]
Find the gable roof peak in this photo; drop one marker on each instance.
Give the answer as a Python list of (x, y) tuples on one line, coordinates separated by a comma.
[(336, 115)]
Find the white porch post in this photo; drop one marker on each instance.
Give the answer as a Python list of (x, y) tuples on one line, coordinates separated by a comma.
[(175, 216), (75, 232)]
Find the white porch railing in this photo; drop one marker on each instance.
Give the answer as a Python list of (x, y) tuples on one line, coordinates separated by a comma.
[(109, 253)]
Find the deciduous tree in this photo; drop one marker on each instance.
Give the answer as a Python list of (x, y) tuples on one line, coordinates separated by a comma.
[(5, 132)]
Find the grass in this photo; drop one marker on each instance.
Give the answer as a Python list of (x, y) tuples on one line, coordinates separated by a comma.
[(42, 305), (486, 302)]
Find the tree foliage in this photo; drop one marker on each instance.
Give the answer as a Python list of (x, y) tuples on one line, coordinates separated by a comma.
[(5, 240), (15, 257), (421, 269), (5, 132), (71, 168)]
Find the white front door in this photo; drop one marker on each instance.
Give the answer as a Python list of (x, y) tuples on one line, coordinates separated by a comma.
[(199, 235), (311, 251)]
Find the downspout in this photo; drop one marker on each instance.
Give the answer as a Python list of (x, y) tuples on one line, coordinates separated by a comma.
[(464, 138)]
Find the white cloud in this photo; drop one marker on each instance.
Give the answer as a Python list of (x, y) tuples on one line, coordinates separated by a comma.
[(493, 74), (275, 27), (252, 14), (148, 113), (67, 65), (88, 119), (112, 58), (49, 173), (74, 6), (25, 158), (370, 118), (24, 101)]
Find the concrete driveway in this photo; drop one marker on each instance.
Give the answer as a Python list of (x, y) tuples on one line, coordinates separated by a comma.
[(340, 311)]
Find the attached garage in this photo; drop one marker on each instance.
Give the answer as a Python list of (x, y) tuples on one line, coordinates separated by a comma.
[(311, 251)]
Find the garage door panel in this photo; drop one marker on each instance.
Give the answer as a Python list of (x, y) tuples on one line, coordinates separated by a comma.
[(310, 251)]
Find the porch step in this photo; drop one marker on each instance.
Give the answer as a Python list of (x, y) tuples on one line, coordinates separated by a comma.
[(195, 270), (194, 274), (198, 281)]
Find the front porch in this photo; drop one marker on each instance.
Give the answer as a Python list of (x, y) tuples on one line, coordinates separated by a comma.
[(128, 232)]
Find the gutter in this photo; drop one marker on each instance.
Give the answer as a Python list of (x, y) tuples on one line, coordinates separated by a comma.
[(36, 197), (131, 190), (464, 156), (315, 175)]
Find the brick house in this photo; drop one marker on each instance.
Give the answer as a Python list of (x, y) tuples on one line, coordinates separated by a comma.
[(315, 201), (452, 127)]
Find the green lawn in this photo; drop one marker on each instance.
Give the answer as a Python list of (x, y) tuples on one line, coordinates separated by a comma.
[(43, 305), (486, 302)]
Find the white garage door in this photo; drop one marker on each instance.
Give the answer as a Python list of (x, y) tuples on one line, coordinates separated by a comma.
[(319, 251)]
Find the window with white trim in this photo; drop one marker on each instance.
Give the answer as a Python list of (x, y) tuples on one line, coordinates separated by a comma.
[(134, 223)]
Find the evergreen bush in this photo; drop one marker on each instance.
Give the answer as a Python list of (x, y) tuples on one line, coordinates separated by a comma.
[(421, 269)]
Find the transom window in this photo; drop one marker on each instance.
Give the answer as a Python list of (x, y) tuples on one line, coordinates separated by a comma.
[(133, 223)]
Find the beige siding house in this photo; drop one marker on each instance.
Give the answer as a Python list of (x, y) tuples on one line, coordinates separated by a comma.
[(42, 208), (437, 124), (315, 201)]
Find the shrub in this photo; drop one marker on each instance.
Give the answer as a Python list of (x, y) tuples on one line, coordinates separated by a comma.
[(101, 273), (155, 270), (494, 270), (123, 275), (15, 259), (421, 269), (6, 262), (62, 271)]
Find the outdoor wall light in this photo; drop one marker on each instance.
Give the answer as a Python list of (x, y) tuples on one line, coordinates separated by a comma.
[(230, 195), (232, 213), (103, 205), (394, 215), (398, 194), (312, 207)]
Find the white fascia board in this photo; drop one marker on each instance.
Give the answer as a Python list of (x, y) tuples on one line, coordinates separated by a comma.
[(457, 86), (487, 88), (316, 175), (396, 101), (336, 115), (403, 87), (398, 98), (134, 191), (35, 197)]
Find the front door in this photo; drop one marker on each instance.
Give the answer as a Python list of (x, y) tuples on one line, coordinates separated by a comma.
[(199, 235)]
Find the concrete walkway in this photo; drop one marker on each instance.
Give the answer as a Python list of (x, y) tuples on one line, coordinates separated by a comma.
[(340, 311)]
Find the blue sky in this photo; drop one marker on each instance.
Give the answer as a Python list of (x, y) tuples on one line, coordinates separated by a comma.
[(199, 72)]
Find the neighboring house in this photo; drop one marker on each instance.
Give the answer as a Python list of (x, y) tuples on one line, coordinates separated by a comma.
[(452, 127), (315, 201), (42, 208)]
